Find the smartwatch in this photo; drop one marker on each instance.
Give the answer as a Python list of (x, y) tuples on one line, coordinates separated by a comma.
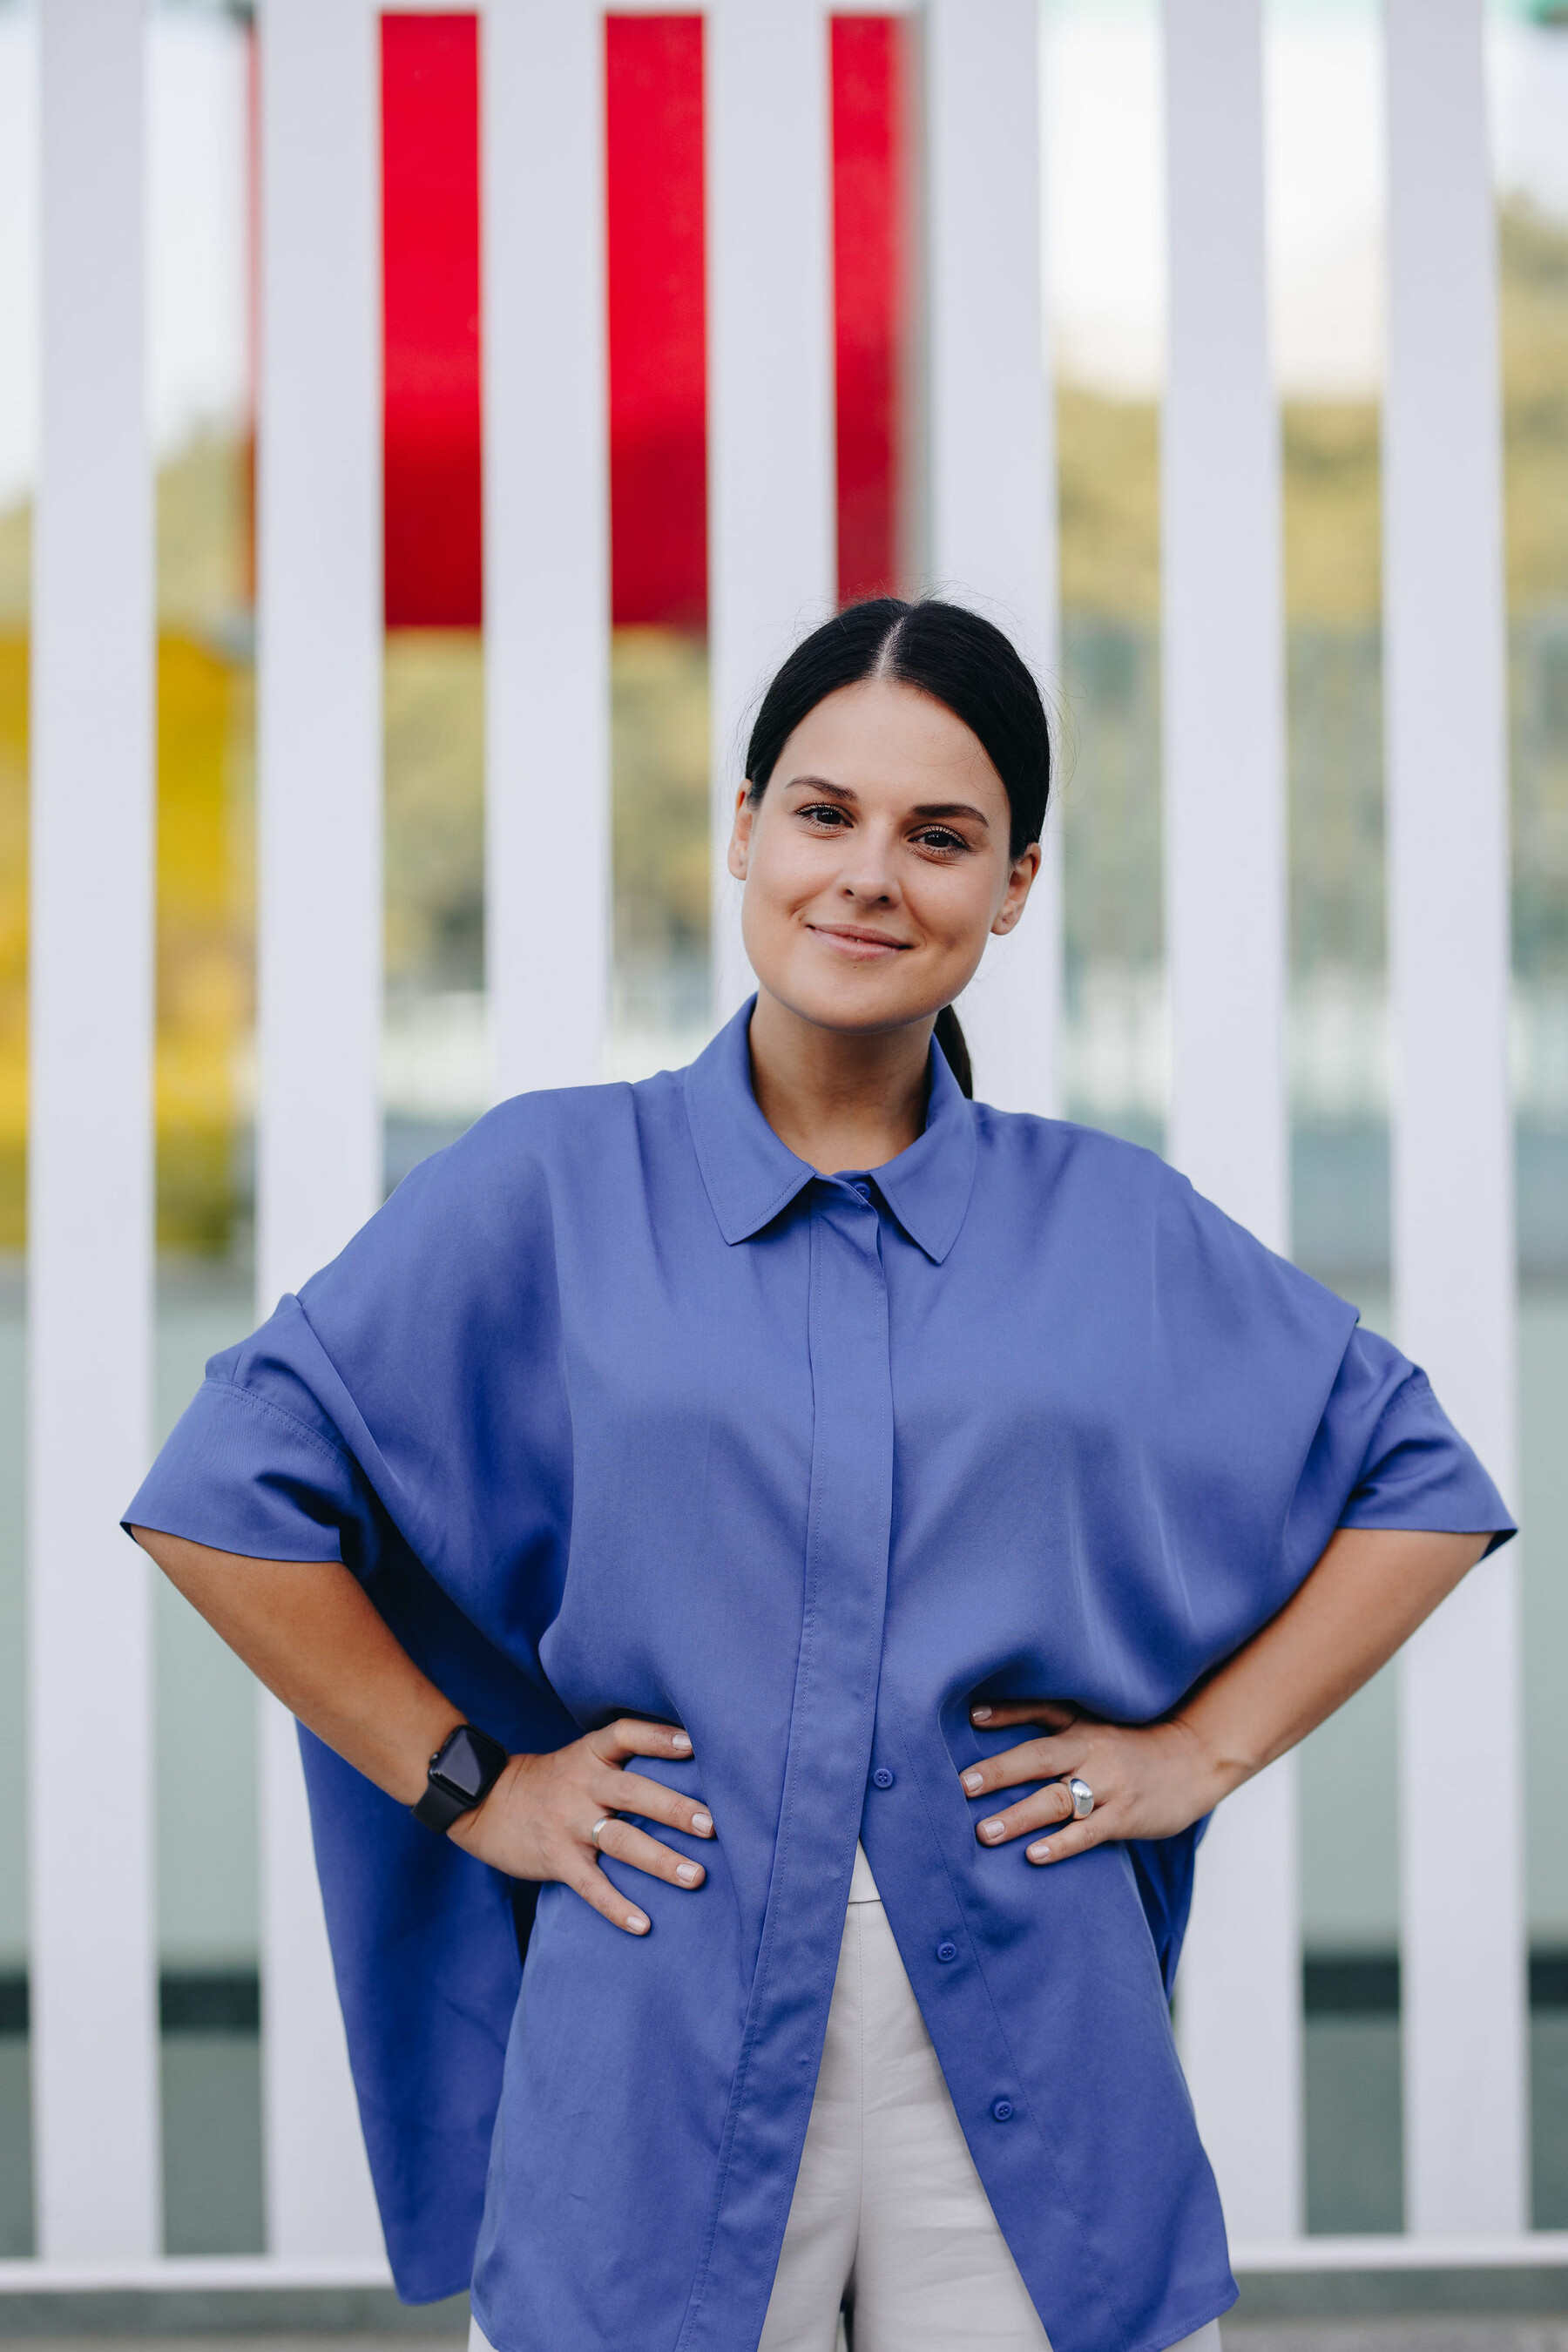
[(463, 1771)]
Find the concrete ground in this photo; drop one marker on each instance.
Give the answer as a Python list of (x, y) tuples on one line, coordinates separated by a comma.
[(1514, 2333), (1397, 2335), (1410, 2334)]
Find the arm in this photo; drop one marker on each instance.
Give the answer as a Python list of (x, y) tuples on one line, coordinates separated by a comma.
[(308, 1630), (1368, 1593)]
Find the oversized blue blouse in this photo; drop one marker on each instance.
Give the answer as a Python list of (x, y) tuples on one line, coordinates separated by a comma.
[(617, 1407)]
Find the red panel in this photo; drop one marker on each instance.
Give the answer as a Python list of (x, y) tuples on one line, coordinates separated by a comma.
[(430, 221), (870, 265), (657, 422), (659, 395)]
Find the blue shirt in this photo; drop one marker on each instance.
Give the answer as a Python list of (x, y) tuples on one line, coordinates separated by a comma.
[(617, 1407)]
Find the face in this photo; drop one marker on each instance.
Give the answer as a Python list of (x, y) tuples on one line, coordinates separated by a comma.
[(877, 863)]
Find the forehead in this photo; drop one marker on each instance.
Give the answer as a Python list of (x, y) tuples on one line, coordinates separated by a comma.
[(885, 741)]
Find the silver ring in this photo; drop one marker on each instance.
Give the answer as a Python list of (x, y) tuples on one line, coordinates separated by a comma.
[(603, 1823), (1082, 1797)]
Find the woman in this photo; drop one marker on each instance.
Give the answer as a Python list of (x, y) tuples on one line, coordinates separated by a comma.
[(838, 1542)]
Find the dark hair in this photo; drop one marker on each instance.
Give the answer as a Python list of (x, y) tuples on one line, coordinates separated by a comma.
[(959, 660)]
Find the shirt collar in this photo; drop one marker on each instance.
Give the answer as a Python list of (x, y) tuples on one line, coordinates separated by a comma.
[(750, 1176)]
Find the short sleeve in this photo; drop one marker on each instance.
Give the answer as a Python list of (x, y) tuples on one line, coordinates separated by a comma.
[(256, 1466), (1387, 1455)]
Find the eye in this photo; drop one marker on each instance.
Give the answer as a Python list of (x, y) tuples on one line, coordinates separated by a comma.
[(824, 813), (941, 837)]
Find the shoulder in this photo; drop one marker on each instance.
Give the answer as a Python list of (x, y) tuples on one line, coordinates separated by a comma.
[(1129, 1198), (487, 1207), (1067, 1155), (546, 1138), (555, 1123)]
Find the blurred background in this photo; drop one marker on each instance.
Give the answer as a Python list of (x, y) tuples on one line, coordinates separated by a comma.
[(1105, 273)]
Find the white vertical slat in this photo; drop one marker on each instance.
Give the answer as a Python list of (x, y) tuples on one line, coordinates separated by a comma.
[(1444, 704), (991, 438), (546, 541), (771, 508), (1224, 750), (319, 954), (89, 1210)]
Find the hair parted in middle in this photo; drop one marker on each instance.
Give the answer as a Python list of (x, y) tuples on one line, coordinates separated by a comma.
[(960, 660)]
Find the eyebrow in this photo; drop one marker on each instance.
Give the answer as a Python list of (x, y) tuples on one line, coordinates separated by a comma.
[(842, 793)]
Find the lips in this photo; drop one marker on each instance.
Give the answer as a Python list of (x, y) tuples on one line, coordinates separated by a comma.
[(851, 940)]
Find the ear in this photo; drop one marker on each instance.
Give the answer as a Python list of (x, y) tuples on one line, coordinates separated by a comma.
[(740, 837), (1020, 882)]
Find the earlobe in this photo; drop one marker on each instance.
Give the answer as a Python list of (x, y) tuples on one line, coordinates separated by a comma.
[(1020, 883)]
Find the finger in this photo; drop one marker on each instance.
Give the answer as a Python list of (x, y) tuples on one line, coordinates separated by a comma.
[(1042, 1811), (622, 1843), (629, 1793), (1005, 1714), (1035, 1759), (597, 1892), (630, 1735), (1077, 1838)]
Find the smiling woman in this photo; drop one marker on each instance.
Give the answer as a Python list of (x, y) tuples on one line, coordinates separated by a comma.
[(800, 1552), (910, 760)]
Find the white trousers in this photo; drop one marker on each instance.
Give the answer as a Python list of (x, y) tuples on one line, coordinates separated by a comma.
[(889, 2223), (889, 2220)]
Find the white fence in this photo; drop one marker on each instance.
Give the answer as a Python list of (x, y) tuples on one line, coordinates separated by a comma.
[(989, 498)]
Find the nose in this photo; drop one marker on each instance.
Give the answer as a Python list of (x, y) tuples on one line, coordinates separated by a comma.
[(868, 876)]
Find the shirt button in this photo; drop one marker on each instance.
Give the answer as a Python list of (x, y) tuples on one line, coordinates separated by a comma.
[(1002, 2109), (947, 1951), (882, 1776)]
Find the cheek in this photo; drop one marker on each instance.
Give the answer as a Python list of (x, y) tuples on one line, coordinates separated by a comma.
[(783, 869), (955, 904)]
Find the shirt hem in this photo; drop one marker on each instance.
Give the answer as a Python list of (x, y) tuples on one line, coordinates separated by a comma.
[(1207, 2312)]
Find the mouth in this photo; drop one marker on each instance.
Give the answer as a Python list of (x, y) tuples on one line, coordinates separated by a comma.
[(860, 945)]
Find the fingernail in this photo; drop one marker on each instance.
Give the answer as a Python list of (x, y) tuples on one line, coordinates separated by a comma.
[(992, 1829), (688, 1872), (1039, 1853), (679, 1742), (703, 1824), (974, 1782), (980, 1714), (638, 1922)]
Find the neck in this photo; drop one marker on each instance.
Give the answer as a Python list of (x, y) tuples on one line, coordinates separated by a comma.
[(838, 1098)]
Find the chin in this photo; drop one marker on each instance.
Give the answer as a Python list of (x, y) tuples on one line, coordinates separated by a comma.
[(854, 1011)]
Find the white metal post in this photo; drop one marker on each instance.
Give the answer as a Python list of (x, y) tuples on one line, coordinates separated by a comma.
[(1444, 704), (1223, 750), (319, 742), (89, 1209), (991, 426), (547, 617), (770, 529)]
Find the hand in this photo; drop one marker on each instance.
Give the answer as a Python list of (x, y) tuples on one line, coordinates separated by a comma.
[(1149, 1782), (537, 1821)]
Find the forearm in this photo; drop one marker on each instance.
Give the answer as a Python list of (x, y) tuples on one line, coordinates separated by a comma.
[(1370, 1590), (1367, 1594), (307, 1630)]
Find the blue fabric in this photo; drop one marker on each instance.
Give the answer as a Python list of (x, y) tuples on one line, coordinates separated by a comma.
[(616, 1407)]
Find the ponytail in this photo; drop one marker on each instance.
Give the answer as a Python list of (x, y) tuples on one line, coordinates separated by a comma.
[(955, 1053)]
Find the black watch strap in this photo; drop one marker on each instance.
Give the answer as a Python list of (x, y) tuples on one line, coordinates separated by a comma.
[(463, 1771)]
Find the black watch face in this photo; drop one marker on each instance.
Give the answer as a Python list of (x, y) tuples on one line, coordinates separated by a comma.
[(461, 1770)]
